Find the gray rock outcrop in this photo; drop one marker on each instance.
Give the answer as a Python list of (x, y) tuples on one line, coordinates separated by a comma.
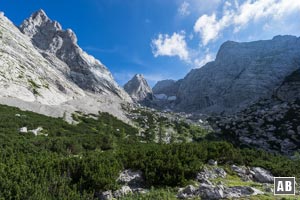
[(167, 87), (44, 70), (289, 90), (138, 89), (241, 74), (84, 70), (215, 192), (262, 175)]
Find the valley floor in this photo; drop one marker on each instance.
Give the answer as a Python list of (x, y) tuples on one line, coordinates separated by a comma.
[(100, 157)]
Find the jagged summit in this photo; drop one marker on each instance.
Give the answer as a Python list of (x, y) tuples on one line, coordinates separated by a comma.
[(52, 41), (44, 70), (37, 22), (138, 89)]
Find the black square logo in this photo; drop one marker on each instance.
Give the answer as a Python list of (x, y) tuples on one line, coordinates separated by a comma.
[(284, 185)]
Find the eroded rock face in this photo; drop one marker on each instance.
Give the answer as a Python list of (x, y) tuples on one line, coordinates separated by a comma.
[(262, 175), (43, 70), (52, 41), (139, 89), (134, 179), (269, 124), (241, 74), (289, 90), (167, 87), (212, 192)]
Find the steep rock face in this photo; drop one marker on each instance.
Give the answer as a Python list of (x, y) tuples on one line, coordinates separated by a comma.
[(84, 70), (290, 88), (36, 79), (167, 87), (138, 89), (241, 73), (26, 75)]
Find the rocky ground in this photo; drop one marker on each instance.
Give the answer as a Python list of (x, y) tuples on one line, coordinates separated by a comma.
[(270, 124), (213, 182)]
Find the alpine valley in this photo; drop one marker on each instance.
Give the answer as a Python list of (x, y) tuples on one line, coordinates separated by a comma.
[(69, 131)]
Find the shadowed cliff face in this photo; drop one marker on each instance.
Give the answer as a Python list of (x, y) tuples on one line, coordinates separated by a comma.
[(289, 90), (241, 74)]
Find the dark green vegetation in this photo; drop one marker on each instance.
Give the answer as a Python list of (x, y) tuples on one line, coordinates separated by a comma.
[(154, 126), (75, 161)]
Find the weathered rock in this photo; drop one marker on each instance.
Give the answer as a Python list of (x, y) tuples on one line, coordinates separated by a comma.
[(125, 190), (243, 172), (107, 195), (187, 192), (134, 179), (212, 162), (36, 131), (262, 175), (240, 75), (45, 71), (167, 87), (83, 69), (23, 130), (211, 174), (138, 89), (241, 191), (290, 88), (210, 192)]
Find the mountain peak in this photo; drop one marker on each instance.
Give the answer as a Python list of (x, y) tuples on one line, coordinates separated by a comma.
[(86, 71), (40, 14), (139, 76), (138, 88), (39, 21)]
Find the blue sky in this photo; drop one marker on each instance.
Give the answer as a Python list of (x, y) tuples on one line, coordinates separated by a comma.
[(162, 39)]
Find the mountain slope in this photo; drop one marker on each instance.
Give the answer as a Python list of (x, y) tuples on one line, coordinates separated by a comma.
[(40, 81), (289, 90), (241, 74), (84, 70), (138, 89)]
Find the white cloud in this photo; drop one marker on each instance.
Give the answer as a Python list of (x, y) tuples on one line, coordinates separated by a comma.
[(183, 9), (175, 45), (203, 6), (239, 16), (208, 57)]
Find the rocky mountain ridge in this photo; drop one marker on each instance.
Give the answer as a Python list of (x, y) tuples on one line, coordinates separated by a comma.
[(84, 70), (271, 124), (138, 89), (45, 71), (241, 74)]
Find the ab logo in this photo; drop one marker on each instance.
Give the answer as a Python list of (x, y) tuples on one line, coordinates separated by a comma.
[(284, 185)]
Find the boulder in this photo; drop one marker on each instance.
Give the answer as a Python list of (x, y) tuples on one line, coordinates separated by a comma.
[(241, 191), (125, 190), (212, 162), (210, 192), (211, 173), (23, 130), (187, 192), (107, 195), (262, 175), (138, 89), (133, 179)]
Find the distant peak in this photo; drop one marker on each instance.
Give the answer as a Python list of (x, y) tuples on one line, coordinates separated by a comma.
[(40, 14), (284, 37), (139, 76)]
